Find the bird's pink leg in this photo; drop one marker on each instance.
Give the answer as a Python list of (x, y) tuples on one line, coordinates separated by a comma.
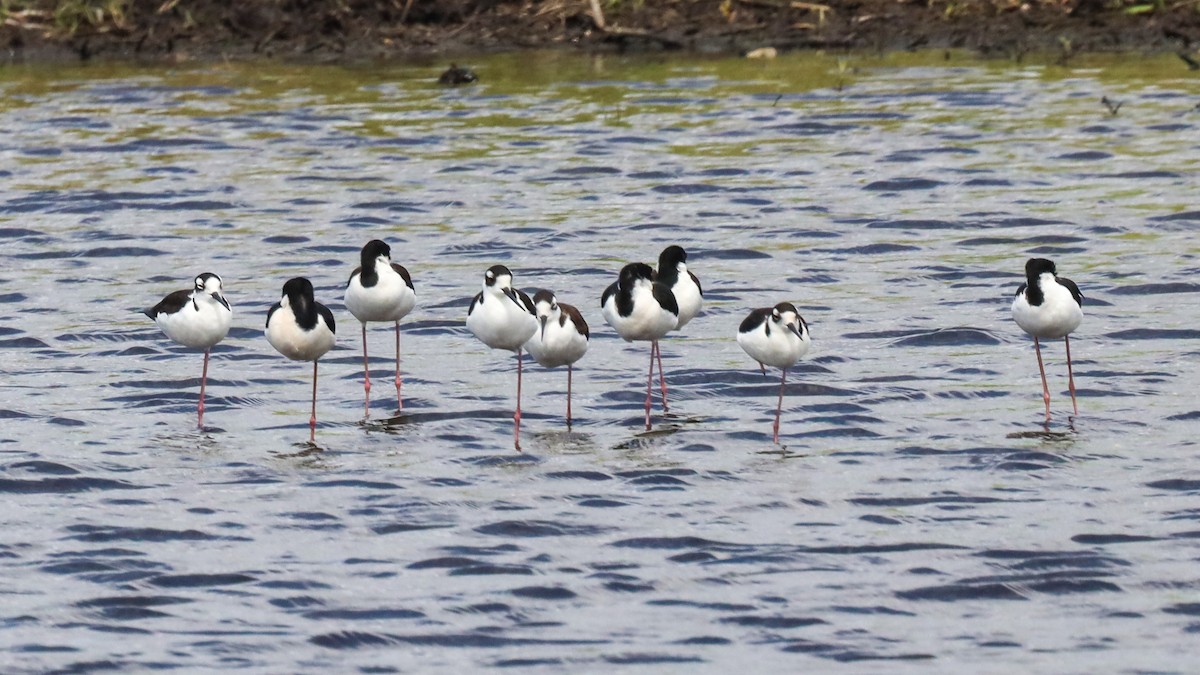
[(1070, 375), (779, 408), (649, 382), (763, 367), (568, 397), (1045, 388), (662, 382), (399, 401), (517, 415), (366, 375), (203, 381), (312, 420)]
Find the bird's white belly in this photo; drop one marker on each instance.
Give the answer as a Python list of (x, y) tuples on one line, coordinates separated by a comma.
[(199, 329), (500, 324), (299, 345), (561, 345), (390, 299), (687, 294)]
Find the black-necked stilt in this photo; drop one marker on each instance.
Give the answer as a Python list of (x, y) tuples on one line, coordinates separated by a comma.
[(1048, 306), (379, 290), (561, 338), (640, 308), (503, 317), (673, 273), (301, 329), (198, 318), (777, 337)]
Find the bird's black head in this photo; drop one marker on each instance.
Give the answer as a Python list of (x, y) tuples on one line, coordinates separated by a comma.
[(784, 307), (1036, 267), (634, 271), (202, 282), (544, 295), (496, 272), (298, 291), (670, 258), (373, 250)]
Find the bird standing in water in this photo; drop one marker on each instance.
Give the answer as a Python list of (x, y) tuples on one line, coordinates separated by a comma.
[(503, 317), (561, 339), (301, 329), (775, 336), (640, 308), (379, 290), (199, 318), (673, 273), (1048, 307)]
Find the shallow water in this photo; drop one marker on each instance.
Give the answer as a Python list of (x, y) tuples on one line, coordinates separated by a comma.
[(916, 511)]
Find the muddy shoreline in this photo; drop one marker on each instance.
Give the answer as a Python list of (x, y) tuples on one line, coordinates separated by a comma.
[(325, 30)]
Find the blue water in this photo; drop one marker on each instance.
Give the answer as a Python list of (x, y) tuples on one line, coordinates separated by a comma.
[(916, 511)]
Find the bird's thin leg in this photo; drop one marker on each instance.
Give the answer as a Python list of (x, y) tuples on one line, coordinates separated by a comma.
[(312, 420), (779, 408), (517, 415), (568, 397), (649, 381), (203, 381), (763, 367), (1070, 375), (366, 375), (1045, 388), (662, 382), (399, 400)]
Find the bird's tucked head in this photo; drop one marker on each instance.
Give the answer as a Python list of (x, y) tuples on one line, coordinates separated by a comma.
[(633, 273), (376, 251), (671, 258), (297, 293), (1036, 267)]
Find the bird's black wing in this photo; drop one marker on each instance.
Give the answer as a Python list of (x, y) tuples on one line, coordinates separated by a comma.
[(328, 316), (1075, 292), (755, 319), (571, 312), (697, 282), (522, 299), (399, 269), (475, 301), (170, 304)]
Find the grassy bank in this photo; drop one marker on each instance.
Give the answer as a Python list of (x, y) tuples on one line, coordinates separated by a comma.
[(381, 28)]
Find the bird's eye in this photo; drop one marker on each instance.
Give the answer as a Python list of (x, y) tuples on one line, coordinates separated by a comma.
[(553, 306)]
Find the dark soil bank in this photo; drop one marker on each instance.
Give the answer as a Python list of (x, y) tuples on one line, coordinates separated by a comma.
[(354, 29)]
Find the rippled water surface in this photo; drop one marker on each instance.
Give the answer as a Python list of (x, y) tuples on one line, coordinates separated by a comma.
[(917, 511)]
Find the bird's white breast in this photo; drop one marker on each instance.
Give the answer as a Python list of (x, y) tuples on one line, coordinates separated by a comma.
[(390, 299), (500, 323), (1057, 316), (200, 324), (687, 294), (558, 346), (647, 321), (781, 349), (289, 339)]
